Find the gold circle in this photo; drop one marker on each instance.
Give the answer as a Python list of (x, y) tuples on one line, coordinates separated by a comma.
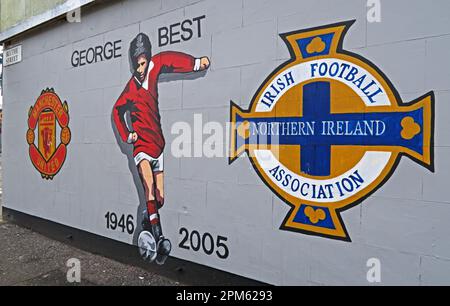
[(65, 135), (30, 136)]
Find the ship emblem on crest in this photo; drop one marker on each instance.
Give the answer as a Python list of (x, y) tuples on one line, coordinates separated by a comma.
[(327, 129), (48, 118)]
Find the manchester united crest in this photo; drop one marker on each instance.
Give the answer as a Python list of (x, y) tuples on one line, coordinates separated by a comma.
[(327, 129), (48, 133)]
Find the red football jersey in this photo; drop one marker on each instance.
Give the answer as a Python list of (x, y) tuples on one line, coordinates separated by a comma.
[(143, 103)]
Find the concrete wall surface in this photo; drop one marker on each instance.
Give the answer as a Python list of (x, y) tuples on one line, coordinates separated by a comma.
[(16, 11), (17, 16)]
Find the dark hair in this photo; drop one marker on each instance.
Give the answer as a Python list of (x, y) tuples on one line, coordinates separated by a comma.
[(141, 45)]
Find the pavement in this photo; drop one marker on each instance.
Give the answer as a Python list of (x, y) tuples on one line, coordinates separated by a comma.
[(30, 259)]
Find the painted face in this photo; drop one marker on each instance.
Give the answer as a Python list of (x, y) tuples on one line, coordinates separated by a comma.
[(142, 67)]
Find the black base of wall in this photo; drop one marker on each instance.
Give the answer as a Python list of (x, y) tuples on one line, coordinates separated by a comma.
[(175, 269)]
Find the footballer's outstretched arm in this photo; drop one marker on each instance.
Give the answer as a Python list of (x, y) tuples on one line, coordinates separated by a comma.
[(178, 62)]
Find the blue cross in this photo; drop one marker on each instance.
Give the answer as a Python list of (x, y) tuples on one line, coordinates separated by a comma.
[(316, 158), (316, 149)]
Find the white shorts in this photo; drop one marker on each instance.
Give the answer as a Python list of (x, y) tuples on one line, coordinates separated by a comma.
[(157, 164)]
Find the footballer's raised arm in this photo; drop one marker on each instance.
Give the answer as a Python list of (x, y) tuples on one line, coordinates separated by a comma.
[(178, 62)]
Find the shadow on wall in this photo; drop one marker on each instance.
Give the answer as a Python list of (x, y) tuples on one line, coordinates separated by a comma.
[(127, 150)]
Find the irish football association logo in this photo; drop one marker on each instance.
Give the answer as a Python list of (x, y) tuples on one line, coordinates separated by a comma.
[(327, 129), (48, 118)]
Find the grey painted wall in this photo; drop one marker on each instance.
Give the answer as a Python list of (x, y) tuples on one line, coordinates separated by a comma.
[(404, 224)]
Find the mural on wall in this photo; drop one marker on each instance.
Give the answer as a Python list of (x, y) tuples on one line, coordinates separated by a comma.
[(327, 129), (48, 116), (137, 120)]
